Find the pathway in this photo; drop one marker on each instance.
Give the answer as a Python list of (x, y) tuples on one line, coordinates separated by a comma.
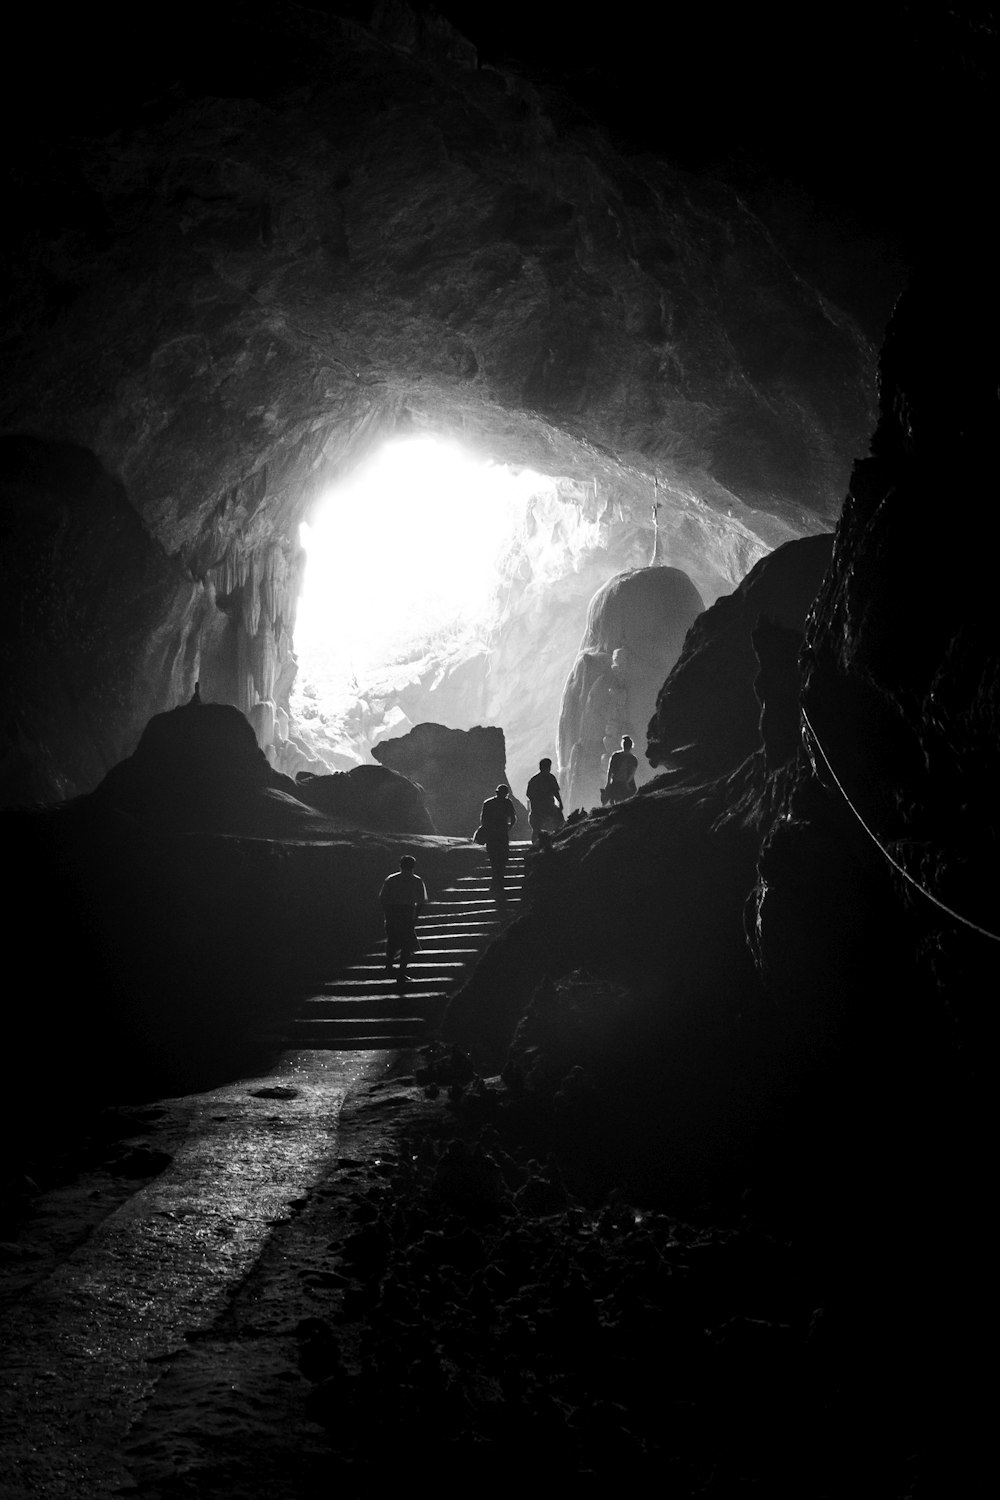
[(364, 1008)]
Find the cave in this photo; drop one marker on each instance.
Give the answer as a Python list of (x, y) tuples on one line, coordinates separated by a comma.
[(394, 397)]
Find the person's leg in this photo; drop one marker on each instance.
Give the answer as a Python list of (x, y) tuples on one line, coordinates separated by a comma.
[(406, 948), (393, 939)]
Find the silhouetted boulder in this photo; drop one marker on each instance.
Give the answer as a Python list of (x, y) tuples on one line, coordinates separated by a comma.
[(370, 797), (457, 769), (636, 626), (199, 768), (707, 717)]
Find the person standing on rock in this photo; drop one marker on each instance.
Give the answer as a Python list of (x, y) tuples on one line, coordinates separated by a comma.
[(402, 896), (622, 767), (496, 820), (545, 804)]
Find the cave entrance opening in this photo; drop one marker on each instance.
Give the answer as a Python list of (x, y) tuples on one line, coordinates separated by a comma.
[(410, 565)]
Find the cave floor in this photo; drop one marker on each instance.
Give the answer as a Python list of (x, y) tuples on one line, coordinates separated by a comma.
[(115, 1279), (149, 1304)]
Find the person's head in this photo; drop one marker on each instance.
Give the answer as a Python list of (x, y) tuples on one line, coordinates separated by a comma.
[(545, 765), (407, 862), (503, 790), (626, 742)]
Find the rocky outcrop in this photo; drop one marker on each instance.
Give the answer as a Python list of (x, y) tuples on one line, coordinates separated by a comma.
[(200, 769), (707, 718), (815, 918), (369, 797), (636, 627), (456, 768), (901, 686)]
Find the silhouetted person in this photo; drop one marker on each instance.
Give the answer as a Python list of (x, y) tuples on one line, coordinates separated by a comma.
[(403, 895), (545, 804), (496, 820), (622, 767)]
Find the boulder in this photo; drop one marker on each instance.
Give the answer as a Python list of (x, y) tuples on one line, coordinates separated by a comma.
[(199, 768), (457, 769), (707, 717), (369, 797)]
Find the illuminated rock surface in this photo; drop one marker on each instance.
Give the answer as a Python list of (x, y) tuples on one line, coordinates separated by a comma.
[(635, 630)]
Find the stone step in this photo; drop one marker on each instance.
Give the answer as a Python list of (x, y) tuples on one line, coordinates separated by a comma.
[(364, 1007), (474, 898), (332, 1036), (372, 1008), (420, 967), (484, 921), (386, 988)]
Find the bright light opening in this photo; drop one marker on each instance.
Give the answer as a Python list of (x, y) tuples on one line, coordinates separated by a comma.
[(408, 563)]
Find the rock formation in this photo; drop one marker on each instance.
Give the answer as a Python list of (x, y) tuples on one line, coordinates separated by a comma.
[(369, 797), (456, 768), (199, 768), (635, 631), (797, 945), (707, 712)]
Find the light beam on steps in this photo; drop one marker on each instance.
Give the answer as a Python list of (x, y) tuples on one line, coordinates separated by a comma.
[(364, 1007)]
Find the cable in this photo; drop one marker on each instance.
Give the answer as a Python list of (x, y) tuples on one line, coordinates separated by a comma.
[(956, 915)]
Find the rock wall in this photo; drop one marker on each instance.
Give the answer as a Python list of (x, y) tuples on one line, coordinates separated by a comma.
[(806, 936), (707, 711)]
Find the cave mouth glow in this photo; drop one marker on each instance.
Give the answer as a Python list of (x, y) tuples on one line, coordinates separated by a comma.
[(407, 566)]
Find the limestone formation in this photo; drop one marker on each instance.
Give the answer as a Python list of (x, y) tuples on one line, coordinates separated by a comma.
[(457, 769), (369, 797), (707, 717), (635, 630)]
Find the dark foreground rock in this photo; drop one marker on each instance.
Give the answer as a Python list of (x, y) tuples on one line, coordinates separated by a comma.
[(456, 1283), (369, 796), (199, 768), (707, 712)]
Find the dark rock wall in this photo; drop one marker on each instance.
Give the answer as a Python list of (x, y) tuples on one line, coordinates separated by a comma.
[(707, 711), (901, 684), (751, 894), (296, 238), (370, 796)]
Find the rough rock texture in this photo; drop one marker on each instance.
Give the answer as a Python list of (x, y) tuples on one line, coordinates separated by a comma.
[(195, 897), (457, 769), (199, 768), (901, 671), (297, 238), (793, 1006), (707, 712), (371, 796), (636, 627)]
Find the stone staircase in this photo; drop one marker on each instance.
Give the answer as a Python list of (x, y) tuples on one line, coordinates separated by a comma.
[(363, 1007)]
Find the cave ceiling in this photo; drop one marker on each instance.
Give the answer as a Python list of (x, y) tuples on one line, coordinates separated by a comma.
[(381, 242), (248, 246)]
